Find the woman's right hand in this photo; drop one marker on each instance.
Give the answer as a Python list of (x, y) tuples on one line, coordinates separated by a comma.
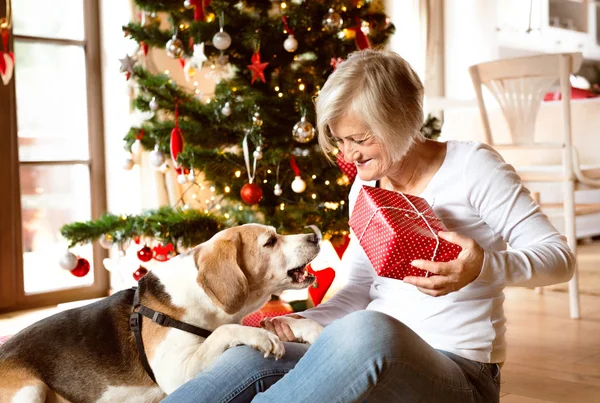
[(282, 330)]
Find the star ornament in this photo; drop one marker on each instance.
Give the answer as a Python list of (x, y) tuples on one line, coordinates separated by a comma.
[(127, 65), (257, 68)]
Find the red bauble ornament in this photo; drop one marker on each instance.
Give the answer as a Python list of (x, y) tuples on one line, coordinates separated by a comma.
[(251, 193), (176, 144), (347, 168), (82, 268), (318, 289), (145, 254), (161, 253), (275, 307), (139, 273)]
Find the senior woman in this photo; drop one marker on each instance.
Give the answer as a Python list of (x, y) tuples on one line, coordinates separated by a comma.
[(435, 339)]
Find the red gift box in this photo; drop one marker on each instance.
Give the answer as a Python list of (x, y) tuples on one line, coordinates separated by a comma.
[(395, 228)]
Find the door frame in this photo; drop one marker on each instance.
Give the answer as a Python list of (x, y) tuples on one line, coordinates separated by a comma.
[(12, 295)]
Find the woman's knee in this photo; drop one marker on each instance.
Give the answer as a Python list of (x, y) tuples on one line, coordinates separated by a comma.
[(368, 332)]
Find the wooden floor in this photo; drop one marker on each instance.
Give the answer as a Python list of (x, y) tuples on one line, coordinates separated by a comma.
[(551, 358)]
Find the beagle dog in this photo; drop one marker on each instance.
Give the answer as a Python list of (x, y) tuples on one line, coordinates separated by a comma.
[(89, 354)]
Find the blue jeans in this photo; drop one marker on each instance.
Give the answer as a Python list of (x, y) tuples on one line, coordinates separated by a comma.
[(366, 355)]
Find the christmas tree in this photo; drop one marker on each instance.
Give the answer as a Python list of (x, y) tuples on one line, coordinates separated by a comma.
[(253, 140)]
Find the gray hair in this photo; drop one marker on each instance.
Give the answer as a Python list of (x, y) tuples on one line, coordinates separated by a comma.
[(381, 89)]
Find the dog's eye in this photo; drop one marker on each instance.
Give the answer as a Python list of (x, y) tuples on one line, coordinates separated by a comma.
[(272, 241)]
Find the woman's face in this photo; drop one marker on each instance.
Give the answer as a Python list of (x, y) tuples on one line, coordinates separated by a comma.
[(360, 147)]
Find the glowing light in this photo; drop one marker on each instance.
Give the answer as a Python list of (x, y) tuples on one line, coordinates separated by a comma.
[(280, 95), (241, 208), (226, 215), (342, 202), (238, 174), (268, 171), (276, 88), (212, 198), (227, 189), (218, 207), (212, 188), (195, 83), (283, 5), (167, 72), (301, 87), (314, 176), (265, 181), (194, 196), (327, 182), (314, 196), (282, 206)]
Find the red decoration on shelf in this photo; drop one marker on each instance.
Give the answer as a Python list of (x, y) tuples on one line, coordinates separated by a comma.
[(139, 273), (181, 61), (145, 254), (576, 93), (395, 228), (176, 138), (161, 253), (348, 168), (82, 268), (251, 193), (275, 307), (136, 239), (257, 68), (319, 288), (144, 46), (7, 59)]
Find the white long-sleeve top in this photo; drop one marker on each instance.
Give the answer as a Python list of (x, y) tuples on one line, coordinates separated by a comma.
[(478, 195)]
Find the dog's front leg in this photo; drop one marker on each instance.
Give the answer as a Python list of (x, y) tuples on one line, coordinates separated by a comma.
[(227, 336)]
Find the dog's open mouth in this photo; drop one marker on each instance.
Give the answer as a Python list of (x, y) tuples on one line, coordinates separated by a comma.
[(301, 275)]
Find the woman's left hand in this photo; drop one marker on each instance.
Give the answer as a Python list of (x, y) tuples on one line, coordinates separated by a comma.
[(453, 275)]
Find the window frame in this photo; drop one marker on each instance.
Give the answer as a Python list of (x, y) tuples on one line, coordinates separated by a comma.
[(12, 294)]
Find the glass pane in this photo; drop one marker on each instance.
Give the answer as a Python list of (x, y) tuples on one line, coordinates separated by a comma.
[(51, 98), (51, 196), (49, 19)]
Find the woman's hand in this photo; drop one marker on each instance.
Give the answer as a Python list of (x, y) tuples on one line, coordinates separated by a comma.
[(453, 275), (282, 330)]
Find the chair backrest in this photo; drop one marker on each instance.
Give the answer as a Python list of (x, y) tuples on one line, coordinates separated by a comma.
[(519, 85)]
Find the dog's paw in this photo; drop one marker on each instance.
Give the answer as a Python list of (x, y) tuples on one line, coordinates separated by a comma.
[(264, 341), (306, 330)]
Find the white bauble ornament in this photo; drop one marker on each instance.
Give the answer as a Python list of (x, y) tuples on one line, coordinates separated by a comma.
[(298, 185), (290, 44), (136, 147), (182, 179), (157, 158), (153, 104), (277, 190), (174, 48), (191, 176), (226, 109), (105, 241), (187, 4), (221, 40), (128, 163), (257, 153), (68, 261), (303, 131)]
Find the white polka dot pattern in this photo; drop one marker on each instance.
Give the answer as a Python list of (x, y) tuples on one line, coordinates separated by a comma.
[(393, 234)]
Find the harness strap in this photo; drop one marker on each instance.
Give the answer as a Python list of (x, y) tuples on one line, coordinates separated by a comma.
[(135, 324)]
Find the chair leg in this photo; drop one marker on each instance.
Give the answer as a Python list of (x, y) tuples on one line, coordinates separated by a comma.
[(536, 197), (570, 232)]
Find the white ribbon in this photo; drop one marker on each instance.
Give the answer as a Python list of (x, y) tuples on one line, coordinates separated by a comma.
[(247, 160), (414, 211)]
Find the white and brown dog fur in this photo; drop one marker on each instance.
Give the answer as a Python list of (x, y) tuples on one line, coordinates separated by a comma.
[(89, 354)]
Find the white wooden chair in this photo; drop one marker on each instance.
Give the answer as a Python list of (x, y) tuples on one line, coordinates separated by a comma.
[(519, 86)]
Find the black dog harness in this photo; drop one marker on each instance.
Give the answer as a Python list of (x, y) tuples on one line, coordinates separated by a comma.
[(135, 324)]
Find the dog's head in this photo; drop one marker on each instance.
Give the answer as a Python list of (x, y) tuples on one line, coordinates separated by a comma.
[(244, 265)]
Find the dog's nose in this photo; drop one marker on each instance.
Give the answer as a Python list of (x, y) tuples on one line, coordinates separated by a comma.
[(313, 238)]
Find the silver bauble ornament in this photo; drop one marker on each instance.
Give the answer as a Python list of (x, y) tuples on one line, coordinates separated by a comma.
[(303, 131), (68, 261), (136, 147), (226, 109), (277, 190), (187, 4), (157, 158), (128, 163), (105, 241), (182, 179), (290, 44), (298, 185), (221, 40), (175, 48), (332, 21), (153, 104), (257, 153)]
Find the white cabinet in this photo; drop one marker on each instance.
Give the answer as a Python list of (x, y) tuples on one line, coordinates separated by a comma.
[(548, 26)]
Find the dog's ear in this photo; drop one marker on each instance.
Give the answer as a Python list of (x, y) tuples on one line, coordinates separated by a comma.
[(220, 275)]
